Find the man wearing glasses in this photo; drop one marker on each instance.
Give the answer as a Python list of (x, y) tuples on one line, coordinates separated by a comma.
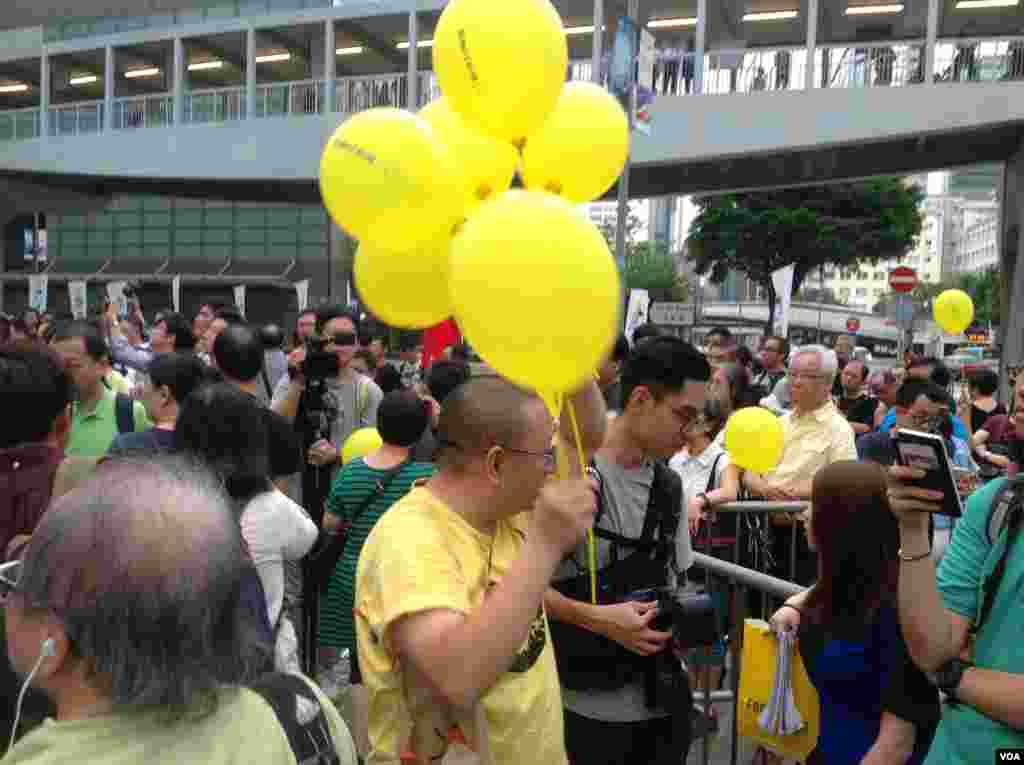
[(452, 634), (815, 434), (773, 354)]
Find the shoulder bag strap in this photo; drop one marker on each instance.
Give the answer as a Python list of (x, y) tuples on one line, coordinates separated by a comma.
[(266, 380), (1014, 514), (124, 412), (382, 484), (712, 479)]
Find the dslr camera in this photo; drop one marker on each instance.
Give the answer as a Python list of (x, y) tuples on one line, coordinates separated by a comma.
[(319, 364)]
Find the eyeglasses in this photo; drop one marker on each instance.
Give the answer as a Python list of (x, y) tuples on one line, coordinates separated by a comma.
[(342, 338), (549, 456), (10, 579), (812, 376)]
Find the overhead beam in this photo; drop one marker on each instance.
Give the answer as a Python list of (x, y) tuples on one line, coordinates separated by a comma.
[(383, 47)]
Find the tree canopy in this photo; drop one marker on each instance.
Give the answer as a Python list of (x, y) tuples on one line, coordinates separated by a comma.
[(842, 224)]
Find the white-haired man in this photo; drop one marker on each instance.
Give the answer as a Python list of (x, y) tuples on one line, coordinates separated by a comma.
[(816, 434)]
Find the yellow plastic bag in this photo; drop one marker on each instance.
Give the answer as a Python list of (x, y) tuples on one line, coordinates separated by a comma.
[(757, 676)]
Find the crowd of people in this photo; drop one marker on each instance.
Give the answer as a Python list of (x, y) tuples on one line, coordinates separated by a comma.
[(192, 570)]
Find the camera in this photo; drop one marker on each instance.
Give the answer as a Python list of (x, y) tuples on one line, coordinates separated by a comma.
[(691, 618), (131, 290), (319, 364)]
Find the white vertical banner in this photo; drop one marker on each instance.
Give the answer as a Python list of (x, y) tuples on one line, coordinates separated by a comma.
[(176, 293), (302, 293), (240, 298), (782, 280), (37, 291), (115, 293), (636, 311), (78, 298)]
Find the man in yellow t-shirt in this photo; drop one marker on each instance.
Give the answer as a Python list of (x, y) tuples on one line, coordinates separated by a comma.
[(452, 637)]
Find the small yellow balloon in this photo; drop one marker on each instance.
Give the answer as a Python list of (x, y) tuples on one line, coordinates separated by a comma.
[(501, 63), (581, 150), (387, 178), (754, 439), (535, 290), (405, 289), (953, 311), (485, 165), (361, 443)]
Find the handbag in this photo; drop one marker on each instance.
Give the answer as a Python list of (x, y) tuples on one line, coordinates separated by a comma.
[(329, 548), (757, 682)]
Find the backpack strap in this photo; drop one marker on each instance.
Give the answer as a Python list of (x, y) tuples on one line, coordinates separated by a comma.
[(124, 411), (301, 717), (1007, 513), (266, 381), (362, 397)]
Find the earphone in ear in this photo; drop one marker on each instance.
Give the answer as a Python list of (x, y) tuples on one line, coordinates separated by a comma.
[(47, 649)]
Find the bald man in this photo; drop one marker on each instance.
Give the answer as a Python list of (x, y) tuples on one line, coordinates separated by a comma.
[(125, 611), (451, 583)]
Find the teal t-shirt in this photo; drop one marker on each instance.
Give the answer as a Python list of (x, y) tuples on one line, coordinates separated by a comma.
[(965, 736)]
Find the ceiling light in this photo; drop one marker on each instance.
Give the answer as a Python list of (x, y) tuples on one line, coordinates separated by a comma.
[(869, 10), (150, 72), (689, 21), (771, 16), (420, 44), (965, 5), (20, 88), (353, 51), (205, 65), (272, 58), (84, 79), (580, 30)]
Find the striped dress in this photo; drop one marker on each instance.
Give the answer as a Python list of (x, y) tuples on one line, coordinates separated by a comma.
[(349, 492)]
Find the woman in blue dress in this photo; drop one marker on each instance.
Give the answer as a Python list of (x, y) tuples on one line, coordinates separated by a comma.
[(876, 705)]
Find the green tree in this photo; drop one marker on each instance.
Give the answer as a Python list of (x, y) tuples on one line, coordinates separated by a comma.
[(843, 224), (986, 289), (633, 228)]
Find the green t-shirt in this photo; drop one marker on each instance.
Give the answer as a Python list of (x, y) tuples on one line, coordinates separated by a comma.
[(351, 487), (93, 432), (965, 735), (242, 729)]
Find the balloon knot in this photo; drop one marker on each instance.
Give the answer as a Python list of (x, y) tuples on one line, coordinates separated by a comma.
[(484, 192), (554, 187)]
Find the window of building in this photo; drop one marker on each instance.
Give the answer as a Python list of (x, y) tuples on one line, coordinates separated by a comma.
[(861, 292)]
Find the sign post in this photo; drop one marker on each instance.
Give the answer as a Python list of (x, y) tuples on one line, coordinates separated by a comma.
[(903, 280)]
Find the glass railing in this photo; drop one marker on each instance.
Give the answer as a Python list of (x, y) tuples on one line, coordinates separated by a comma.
[(870, 66), (353, 94), (217, 105), (279, 99), (19, 124), (752, 71), (143, 111), (76, 119), (980, 60)]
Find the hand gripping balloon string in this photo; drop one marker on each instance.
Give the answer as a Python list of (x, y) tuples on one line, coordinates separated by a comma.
[(591, 545)]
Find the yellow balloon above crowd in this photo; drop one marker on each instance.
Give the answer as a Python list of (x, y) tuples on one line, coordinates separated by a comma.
[(953, 311), (754, 439), (440, 233)]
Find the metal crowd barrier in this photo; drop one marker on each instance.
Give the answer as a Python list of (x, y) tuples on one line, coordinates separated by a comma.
[(743, 580)]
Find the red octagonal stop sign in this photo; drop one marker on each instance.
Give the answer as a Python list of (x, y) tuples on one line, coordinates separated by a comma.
[(903, 279)]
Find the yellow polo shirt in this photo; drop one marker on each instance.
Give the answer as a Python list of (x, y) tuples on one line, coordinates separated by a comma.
[(812, 440)]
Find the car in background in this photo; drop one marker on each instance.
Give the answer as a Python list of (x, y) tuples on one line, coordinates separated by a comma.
[(860, 353), (967, 361)]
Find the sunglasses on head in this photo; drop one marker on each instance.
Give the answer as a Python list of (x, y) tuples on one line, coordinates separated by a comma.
[(343, 338)]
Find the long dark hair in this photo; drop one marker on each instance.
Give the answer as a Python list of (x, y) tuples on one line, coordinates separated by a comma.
[(857, 539)]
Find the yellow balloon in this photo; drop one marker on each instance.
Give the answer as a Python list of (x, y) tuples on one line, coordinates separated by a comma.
[(485, 165), (387, 178), (754, 439), (361, 443), (581, 150), (405, 289), (953, 311), (501, 63), (535, 290)]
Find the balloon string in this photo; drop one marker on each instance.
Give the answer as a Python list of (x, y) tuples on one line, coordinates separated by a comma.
[(591, 545)]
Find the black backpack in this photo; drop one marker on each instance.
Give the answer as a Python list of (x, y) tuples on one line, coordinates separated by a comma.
[(587, 660)]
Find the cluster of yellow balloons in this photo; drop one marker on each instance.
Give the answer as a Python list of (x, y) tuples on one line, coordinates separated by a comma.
[(528, 278), (953, 311)]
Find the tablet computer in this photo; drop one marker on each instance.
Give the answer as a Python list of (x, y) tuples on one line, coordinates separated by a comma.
[(927, 451)]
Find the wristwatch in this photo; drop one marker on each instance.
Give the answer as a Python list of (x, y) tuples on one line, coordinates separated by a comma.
[(948, 676)]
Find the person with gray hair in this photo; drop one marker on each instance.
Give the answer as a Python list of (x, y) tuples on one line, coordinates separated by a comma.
[(815, 434), (126, 610)]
